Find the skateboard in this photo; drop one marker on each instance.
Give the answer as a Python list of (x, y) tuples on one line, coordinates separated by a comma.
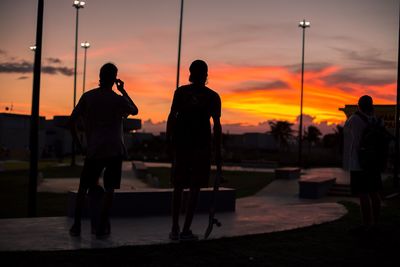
[(211, 217), (95, 194)]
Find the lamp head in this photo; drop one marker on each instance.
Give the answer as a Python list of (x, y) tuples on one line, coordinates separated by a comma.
[(78, 4), (304, 24), (85, 45)]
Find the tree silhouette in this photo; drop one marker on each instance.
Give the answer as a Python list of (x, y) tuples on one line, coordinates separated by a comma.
[(335, 139), (312, 135), (282, 132)]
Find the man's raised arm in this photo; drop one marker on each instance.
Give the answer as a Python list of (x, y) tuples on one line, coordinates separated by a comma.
[(132, 108)]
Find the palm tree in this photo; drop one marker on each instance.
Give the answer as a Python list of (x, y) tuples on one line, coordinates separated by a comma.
[(282, 132), (312, 135)]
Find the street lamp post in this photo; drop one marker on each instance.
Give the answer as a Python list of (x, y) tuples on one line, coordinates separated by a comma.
[(34, 122), (179, 45), (78, 5), (397, 120), (85, 45), (303, 24)]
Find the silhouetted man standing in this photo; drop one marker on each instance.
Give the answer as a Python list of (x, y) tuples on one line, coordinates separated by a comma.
[(189, 137), (102, 111), (365, 180)]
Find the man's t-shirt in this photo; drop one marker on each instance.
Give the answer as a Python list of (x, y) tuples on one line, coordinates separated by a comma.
[(193, 106), (102, 111)]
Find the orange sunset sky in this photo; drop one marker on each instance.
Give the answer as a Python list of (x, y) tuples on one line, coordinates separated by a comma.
[(253, 49)]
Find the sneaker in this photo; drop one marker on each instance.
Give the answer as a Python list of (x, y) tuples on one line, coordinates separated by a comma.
[(75, 230), (188, 236)]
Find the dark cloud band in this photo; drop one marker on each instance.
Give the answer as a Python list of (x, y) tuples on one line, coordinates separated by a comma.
[(27, 67)]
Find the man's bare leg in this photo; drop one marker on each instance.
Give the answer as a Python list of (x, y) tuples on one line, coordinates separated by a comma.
[(191, 206), (79, 203), (104, 225), (176, 209)]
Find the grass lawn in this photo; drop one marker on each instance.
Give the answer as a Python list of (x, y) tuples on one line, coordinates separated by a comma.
[(245, 183), (14, 190), (14, 197), (323, 245)]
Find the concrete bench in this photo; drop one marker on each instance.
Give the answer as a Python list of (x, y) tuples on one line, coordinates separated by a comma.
[(287, 173), (315, 186), (148, 202)]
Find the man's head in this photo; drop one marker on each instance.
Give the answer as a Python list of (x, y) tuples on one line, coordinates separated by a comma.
[(108, 74), (198, 72), (365, 104)]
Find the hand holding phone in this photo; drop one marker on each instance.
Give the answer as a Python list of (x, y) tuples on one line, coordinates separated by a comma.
[(120, 85)]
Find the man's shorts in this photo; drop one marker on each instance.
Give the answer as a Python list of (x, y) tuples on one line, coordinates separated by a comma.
[(191, 168), (362, 182), (93, 168)]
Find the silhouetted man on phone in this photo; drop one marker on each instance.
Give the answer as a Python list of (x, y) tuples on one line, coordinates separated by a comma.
[(102, 111), (189, 137)]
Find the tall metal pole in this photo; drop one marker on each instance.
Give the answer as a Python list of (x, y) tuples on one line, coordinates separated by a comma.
[(84, 71), (73, 163), (34, 123), (303, 24), (77, 5), (85, 46), (397, 119), (76, 53), (179, 46)]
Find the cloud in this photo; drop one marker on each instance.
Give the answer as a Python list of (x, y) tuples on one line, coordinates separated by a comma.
[(312, 66), (16, 67), (27, 67), (156, 128), (258, 85), (23, 77), (54, 70), (240, 128), (370, 59), (309, 120), (233, 34), (351, 76), (54, 60)]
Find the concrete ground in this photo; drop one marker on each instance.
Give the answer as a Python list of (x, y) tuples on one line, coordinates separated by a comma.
[(254, 215), (275, 208)]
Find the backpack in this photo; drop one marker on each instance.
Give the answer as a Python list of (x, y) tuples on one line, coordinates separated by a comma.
[(374, 145)]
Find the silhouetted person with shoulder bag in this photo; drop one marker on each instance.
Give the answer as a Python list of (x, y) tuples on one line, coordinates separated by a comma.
[(367, 156)]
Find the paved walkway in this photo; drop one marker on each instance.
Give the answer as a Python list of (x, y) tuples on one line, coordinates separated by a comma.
[(275, 208), (253, 216)]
